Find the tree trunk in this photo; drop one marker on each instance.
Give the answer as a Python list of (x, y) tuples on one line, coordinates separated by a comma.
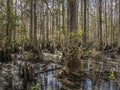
[(47, 24), (100, 23), (74, 63), (119, 25), (63, 16), (8, 24), (35, 24), (85, 29), (31, 22)]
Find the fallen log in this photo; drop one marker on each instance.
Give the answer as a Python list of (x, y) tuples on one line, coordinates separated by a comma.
[(44, 71)]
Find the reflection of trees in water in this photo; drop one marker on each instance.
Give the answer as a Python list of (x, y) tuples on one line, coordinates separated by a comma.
[(48, 81)]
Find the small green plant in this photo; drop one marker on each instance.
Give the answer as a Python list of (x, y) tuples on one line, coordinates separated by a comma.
[(94, 52), (112, 75), (76, 34), (36, 87)]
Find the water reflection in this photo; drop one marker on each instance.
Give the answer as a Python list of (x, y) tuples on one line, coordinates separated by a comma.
[(9, 80), (89, 84), (49, 82)]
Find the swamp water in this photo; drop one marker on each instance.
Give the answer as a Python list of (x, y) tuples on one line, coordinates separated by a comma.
[(10, 80)]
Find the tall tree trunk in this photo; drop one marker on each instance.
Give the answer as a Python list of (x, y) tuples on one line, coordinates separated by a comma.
[(8, 23), (111, 21), (35, 23), (47, 24), (119, 25), (63, 16), (31, 21), (59, 19), (100, 23), (14, 35), (68, 17), (53, 19), (106, 29), (73, 15), (88, 20), (85, 29), (43, 25), (74, 63), (81, 17)]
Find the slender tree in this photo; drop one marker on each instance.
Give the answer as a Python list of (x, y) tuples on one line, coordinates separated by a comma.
[(9, 20), (31, 21), (100, 23), (119, 25), (35, 24), (85, 24)]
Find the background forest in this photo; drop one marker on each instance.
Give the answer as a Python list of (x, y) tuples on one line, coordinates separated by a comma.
[(41, 22), (74, 42)]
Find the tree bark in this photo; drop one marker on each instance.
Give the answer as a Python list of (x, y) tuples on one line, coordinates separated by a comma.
[(100, 23), (31, 21), (85, 24), (35, 23), (119, 25)]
